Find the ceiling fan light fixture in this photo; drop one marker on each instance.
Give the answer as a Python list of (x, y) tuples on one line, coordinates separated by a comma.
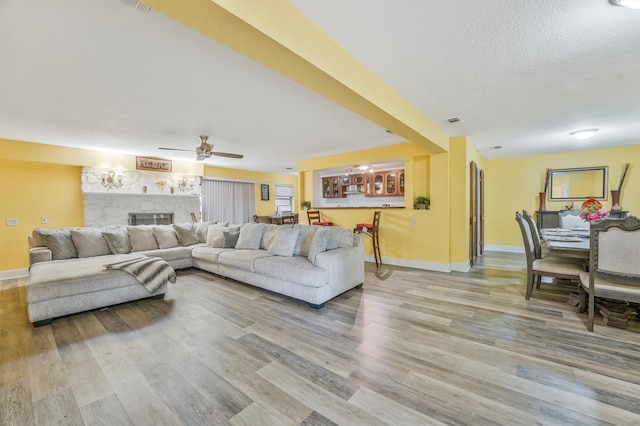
[(631, 4), (583, 134)]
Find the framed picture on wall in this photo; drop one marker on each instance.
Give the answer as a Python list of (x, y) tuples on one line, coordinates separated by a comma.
[(153, 164), (264, 189)]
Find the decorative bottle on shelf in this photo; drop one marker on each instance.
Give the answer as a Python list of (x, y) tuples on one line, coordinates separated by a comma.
[(543, 198), (615, 200)]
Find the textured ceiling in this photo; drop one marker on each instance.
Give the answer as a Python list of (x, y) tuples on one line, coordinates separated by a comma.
[(103, 75)]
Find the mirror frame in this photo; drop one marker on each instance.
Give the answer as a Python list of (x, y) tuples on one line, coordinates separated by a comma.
[(602, 195)]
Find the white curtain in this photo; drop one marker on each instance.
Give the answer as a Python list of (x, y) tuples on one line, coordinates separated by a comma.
[(228, 201)]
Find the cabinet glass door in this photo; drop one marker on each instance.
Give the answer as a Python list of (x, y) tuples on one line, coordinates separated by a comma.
[(378, 183), (401, 186), (391, 184)]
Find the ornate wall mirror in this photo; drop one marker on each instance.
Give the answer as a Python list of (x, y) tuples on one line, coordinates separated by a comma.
[(578, 183)]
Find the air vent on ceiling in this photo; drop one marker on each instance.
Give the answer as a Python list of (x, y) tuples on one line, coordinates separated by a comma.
[(453, 119), (496, 147), (138, 5)]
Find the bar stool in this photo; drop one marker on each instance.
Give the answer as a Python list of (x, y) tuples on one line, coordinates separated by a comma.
[(314, 218), (372, 230)]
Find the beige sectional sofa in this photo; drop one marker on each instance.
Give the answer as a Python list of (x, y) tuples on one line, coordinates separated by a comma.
[(68, 274)]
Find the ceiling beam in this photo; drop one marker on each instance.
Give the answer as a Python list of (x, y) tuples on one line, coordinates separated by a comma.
[(278, 36)]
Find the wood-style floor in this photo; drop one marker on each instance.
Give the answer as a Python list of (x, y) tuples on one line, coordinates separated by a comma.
[(409, 348)]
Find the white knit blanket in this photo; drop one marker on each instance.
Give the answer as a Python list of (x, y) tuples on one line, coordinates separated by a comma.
[(151, 272)]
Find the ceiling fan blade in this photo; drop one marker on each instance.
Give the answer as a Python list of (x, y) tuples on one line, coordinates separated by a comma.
[(176, 149), (228, 155)]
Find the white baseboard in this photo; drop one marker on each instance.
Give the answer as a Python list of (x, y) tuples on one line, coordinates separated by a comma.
[(461, 267), (506, 249), (417, 264), (14, 273)]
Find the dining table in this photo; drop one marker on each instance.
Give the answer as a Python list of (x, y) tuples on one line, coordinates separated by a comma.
[(280, 219), (567, 242)]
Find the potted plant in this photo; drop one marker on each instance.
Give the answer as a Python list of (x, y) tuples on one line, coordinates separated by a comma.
[(421, 202), (306, 205)]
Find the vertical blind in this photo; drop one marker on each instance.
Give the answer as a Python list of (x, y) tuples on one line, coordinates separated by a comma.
[(228, 201)]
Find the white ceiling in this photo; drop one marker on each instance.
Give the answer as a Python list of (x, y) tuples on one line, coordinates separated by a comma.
[(522, 75)]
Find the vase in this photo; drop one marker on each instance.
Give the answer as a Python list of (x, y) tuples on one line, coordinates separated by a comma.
[(615, 200), (543, 199), (592, 204)]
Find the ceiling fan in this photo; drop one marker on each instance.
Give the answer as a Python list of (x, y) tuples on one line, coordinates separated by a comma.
[(205, 150)]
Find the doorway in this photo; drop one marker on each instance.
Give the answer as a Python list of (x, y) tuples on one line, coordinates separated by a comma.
[(476, 213)]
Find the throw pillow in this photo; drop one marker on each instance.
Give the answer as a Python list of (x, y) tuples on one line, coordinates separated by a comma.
[(268, 234), (89, 242), (141, 238), (60, 243), (250, 236), (230, 239), (200, 228), (186, 235), (117, 240), (318, 244), (215, 236), (215, 232), (304, 239), (284, 241), (165, 236)]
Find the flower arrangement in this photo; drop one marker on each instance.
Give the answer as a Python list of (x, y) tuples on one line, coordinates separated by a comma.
[(592, 211), (161, 184)]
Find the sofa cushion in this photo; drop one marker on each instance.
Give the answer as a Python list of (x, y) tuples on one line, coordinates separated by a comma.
[(294, 269), (141, 238), (165, 236), (209, 254), (171, 253), (185, 233), (230, 239), (250, 236), (318, 244), (59, 241), (242, 259), (284, 241), (89, 242), (117, 240)]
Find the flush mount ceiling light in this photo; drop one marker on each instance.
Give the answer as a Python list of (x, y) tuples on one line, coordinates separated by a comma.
[(583, 134), (631, 4)]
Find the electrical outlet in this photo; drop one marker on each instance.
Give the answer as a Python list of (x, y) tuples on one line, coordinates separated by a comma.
[(44, 219), (12, 221)]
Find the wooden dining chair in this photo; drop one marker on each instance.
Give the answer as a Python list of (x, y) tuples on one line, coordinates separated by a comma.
[(541, 251), (314, 218), (614, 264), (544, 267), (373, 230)]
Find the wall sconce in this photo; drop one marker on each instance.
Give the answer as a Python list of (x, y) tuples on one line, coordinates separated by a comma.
[(185, 184), (111, 180)]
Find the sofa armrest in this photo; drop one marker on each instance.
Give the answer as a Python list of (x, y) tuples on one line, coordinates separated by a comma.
[(345, 266), (39, 254)]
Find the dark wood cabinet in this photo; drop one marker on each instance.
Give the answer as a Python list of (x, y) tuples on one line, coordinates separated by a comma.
[(378, 184)]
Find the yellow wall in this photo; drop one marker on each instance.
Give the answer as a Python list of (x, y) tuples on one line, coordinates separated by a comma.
[(28, 191), (263, 208), (513, 184)]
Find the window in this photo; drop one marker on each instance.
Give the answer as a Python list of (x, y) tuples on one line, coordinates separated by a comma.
[(284, 198)]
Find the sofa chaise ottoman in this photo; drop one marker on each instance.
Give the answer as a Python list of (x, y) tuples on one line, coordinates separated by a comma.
[(63, 287)]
